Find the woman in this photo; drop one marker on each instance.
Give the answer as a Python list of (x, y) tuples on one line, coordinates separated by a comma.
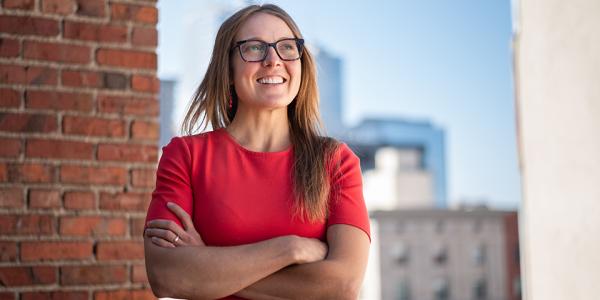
[(276, 210)]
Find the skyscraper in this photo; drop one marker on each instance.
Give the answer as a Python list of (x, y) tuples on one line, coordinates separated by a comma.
[(329, 75)]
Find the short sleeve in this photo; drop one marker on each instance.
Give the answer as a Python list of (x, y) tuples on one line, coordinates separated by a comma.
[(172, 182), (346, 201)]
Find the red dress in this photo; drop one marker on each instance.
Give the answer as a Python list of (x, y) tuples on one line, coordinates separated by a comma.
[(236, 196)]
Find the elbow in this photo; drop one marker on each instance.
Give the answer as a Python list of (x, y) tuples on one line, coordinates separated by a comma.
[(350, 292), (162, 287), (158, 286), (346, 289)]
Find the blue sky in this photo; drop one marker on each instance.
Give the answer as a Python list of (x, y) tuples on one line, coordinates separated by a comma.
[(448, 62)]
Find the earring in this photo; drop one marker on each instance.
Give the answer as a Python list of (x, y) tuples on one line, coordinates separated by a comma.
[(230, 100)]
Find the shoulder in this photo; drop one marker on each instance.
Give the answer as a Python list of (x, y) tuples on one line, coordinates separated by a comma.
[(190, 143), (191, 149), (344, 155), (342, 161)]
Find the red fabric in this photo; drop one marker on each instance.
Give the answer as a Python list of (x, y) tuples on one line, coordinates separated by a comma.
[(236, 196)]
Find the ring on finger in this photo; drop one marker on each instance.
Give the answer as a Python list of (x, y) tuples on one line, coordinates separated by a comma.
[(176, 239)]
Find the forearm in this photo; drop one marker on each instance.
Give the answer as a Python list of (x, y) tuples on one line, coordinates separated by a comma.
[(213, 272), (320, 280)]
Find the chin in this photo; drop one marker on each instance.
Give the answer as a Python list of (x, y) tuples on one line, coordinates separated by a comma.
[(275, 102)]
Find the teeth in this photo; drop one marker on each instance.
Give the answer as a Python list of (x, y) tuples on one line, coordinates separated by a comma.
[(270, 80)]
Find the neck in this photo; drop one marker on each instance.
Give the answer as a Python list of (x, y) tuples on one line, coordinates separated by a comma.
[(261, 131)]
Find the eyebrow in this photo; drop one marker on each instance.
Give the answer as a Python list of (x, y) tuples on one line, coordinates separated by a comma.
[(259, 39)]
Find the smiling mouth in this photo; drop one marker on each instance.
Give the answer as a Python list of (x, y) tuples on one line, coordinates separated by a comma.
[(271, 80)]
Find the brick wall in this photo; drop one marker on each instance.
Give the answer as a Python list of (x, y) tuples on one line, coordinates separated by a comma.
[(78, 146)]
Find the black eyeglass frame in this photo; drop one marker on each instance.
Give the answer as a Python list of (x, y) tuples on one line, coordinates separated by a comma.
[(299, 44)]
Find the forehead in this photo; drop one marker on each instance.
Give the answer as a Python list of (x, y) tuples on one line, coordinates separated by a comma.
[(265, 27)]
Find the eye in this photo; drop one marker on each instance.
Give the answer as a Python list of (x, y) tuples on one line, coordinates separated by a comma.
[(286, 46), (253, 47)]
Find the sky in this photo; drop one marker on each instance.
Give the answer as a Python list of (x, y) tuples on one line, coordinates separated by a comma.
[(446, 62)]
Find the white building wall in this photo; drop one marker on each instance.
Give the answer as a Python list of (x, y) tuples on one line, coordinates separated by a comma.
[(557, 77), (398, 181)]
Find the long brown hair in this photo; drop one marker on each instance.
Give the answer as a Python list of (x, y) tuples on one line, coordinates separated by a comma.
[(312, 151)]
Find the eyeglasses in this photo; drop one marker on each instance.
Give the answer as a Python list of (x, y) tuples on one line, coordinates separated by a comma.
[(256, 50)]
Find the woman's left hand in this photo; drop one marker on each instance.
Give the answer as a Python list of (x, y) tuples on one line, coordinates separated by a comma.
[(168, 234)]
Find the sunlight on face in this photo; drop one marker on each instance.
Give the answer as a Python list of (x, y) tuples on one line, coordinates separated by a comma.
[(272, 83)]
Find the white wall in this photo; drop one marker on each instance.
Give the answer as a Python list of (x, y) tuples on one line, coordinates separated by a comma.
[(557, 80)]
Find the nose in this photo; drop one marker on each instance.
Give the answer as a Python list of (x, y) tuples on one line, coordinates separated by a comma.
[(272, 58)]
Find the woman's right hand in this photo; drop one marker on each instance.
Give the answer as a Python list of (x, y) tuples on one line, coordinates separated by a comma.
[(168, 234), (307, 250)]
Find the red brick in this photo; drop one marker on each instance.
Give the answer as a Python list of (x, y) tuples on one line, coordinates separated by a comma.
[(127, 152), (128, 105), (3, 172), (9, 47), (92, 8), (30, 172), (143, 178), (28, 75), (121, 250), (61, 101), (50, 251), (10, 147), (11, 197), (41, 76), (144, 36), (10, 98), (79, 200), (50, 51), (44, 198), (141, 130), (55, 295), (136, 227), (13, 74), (126, 58), (137, 13), (96, 226), (141, 83), (138, 273), (19, 4), (61, 7), (93, 175), (77, 275), (114, 80), (59, 149), (27, 224), (95, 32), (22, 276), (125, 201), (81, 78), (27, 25), (8, 296), (125, 295), (20, 122), (8, 251), (92, 126)]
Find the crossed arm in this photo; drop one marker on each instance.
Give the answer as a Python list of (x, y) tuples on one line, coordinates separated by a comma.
[(279, 268)]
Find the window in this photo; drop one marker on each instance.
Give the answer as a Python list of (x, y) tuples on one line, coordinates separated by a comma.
[(440, 254), (441, 289), (403, 290), (480, 289), (400, 252), (479, 255)]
